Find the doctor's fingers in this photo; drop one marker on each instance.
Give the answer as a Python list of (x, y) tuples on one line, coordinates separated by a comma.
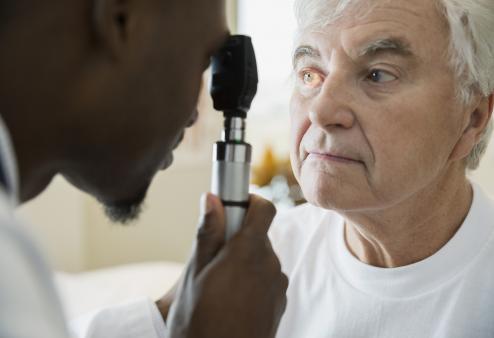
[(211, 232), (259, 216)]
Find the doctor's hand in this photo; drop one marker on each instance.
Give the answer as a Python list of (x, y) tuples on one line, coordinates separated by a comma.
[(234, 289)]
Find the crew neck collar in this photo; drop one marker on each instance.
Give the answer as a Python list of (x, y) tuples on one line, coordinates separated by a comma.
[(428, 274)]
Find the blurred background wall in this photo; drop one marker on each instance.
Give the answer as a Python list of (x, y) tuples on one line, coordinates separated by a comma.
[(70, 226)]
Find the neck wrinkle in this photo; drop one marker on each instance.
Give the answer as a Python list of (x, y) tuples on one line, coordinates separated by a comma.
[(389, 242)]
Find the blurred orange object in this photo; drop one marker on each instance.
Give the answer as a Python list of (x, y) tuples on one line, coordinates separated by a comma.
[(271, 166), (263, 173)]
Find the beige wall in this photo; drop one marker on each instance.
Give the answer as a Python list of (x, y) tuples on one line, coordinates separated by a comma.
[(166, 228), (56, 220)]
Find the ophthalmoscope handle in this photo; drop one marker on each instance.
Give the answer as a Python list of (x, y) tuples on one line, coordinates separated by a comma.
[(230, 182), (233, 87)]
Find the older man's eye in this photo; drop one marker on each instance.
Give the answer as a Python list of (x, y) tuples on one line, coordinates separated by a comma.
[(311, 79), (380, 76)]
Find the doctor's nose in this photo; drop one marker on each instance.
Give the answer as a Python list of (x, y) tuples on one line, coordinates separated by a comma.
[(331, 107)]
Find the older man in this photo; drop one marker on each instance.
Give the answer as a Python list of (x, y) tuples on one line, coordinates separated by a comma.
[(391, 107), (100, 92)]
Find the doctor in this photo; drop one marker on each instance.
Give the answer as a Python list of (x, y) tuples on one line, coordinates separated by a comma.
[(100, 92)]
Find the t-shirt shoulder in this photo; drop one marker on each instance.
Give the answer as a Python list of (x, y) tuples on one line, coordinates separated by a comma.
[(299, 219), (292, 231)]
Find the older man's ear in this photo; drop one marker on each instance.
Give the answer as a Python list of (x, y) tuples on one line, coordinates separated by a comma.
[(475, 124)]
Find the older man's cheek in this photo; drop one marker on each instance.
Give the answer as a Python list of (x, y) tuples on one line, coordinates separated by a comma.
[(299, 124)]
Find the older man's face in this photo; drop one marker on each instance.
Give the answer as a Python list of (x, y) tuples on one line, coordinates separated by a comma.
[(374, 118)]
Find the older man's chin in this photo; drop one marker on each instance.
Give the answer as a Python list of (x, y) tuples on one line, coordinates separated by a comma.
[(335, 199)]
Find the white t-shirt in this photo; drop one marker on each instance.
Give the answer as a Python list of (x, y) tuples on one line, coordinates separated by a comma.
[(333, 294)]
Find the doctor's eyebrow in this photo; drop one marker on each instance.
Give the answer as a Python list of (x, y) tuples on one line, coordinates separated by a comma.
[(303, 52)]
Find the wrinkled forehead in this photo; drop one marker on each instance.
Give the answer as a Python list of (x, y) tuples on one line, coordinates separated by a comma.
[(387, 23), (317, 14), (413, 30)]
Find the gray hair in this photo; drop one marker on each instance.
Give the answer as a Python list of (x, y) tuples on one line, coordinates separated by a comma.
[(471, 54)]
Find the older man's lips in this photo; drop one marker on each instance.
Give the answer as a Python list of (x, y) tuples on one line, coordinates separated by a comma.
[(332, 158)]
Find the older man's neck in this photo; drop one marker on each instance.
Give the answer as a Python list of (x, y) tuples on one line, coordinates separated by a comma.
[(403, 237)]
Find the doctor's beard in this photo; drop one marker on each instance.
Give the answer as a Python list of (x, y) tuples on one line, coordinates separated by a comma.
[(125, 212)]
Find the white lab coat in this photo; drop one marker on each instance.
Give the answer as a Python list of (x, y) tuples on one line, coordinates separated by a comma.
[(29, 304)]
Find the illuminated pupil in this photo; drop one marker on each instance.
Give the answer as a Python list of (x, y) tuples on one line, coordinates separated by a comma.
[(308, 77)]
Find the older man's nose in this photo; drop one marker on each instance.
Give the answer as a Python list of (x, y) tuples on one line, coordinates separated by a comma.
[(331, 107)]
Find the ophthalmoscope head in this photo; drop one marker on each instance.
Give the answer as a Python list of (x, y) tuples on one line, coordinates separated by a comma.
[(234, 77), (233, 87)]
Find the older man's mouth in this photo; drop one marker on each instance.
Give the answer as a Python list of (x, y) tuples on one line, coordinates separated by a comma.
[(332, 157)]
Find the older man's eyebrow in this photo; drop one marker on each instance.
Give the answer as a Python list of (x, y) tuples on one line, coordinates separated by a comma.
[(394, 46), (304, 52)]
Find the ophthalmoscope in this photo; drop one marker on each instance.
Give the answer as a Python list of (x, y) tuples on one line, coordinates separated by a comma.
[(233, 87)]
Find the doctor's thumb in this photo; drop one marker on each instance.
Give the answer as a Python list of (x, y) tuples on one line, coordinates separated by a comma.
[(211, 231)]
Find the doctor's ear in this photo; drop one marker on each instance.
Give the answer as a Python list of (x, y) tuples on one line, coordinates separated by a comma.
[(112, 24)]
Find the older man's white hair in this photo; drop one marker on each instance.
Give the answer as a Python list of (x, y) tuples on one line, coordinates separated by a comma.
[(471, 25)]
